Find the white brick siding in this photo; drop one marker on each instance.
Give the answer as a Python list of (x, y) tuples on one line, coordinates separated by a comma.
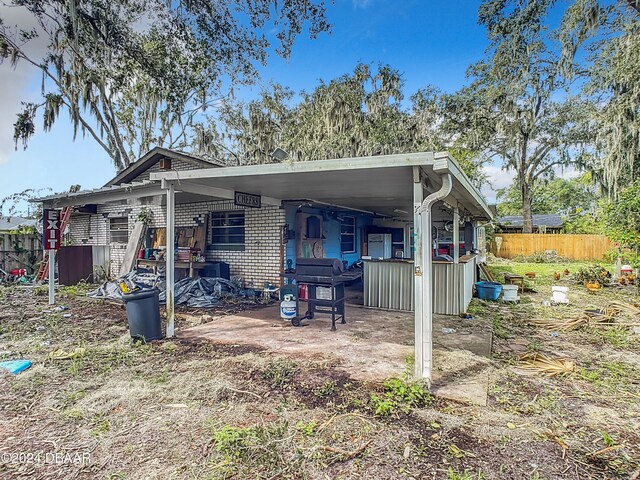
[(258, 263)]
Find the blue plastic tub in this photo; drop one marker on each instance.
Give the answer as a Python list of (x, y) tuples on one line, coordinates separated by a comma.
[(488, 290)]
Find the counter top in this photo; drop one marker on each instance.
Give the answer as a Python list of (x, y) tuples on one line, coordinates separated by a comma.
[(463, 259), (388, 260)]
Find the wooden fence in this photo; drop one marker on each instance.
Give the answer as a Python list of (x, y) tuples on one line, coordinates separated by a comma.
[(575, 247)]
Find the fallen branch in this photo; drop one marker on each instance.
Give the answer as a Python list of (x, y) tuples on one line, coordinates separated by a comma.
[(242, 391), (344, 453), (604, 450), (350, 414)]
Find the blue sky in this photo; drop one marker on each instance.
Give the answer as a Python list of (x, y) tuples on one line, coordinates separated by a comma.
[(430, 42)]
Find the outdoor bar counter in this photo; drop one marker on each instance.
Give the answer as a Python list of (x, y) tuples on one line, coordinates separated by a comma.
[(390, 284)]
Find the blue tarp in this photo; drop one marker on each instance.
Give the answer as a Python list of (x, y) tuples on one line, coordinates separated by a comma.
[(15, 366)]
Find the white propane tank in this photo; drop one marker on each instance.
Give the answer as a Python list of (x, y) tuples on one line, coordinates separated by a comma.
[(288, 308)]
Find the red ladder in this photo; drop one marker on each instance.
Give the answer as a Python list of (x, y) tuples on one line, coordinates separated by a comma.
[(43, 271)]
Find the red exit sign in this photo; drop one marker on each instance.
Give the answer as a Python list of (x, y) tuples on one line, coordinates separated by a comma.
[(52, 233)]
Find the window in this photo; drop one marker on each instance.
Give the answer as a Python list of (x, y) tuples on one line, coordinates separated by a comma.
[(119, 230), (348, 235), (227, 230)]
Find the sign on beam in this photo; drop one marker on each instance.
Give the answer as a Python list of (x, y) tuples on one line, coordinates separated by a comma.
[(52, 233), (247, 200)]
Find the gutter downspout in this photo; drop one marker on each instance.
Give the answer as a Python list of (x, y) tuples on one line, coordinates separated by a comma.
[(427, 286)]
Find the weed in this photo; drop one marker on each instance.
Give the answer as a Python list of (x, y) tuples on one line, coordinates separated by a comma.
[(279, 371), (40, 291), (534, 346), (117, 476), (400, 394), (327, 389), (73, 413), (76, 365), (608, 440), (260, 451), (161, 378), (476, 307), (100, 425), (453, 475), (499, 330), (71, 291), (308, 428)]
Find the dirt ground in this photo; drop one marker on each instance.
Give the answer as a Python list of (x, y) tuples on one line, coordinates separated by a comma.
[(95, 406)]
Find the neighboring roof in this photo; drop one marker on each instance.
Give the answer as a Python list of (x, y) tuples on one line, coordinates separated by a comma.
[(152, 157), (13, 223), (550, 220)]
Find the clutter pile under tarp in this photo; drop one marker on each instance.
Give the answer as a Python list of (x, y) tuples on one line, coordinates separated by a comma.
[(193, 292), (202, 292)]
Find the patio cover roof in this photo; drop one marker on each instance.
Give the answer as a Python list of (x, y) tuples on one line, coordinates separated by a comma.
[(380, 184)]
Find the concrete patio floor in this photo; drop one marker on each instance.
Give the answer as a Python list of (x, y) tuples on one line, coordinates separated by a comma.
[(372, 346)]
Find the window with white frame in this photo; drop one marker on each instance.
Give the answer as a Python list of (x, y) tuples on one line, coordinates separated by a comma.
[(119, 230), (348, 235), (227, 230)]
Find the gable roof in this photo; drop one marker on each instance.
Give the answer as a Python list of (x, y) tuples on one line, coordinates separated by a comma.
[(152, 157), (12, 223), (550, 220)]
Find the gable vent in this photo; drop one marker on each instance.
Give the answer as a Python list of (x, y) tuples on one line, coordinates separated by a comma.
[(165, 164)]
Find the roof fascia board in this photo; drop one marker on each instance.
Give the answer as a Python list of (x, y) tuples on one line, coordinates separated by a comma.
[(124, 193), (443, 160), (159, 152), (358, 163)]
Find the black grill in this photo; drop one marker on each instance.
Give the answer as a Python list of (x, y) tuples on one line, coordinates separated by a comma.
[(321, 272)]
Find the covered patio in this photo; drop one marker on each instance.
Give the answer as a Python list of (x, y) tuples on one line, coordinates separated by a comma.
[(401, 187)]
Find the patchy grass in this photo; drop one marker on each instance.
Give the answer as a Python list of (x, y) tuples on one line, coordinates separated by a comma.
[(237, 411)]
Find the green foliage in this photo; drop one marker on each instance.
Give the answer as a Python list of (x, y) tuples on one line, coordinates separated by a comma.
[(610, 66), (622, 217), (327, 389), (260, 451), (357, 114), (499, 329), (466, 475), (308, 428), (136, 74), (569, 197), (539, 257), (400, 395), (516, 107), (279, 371), (591, 274)]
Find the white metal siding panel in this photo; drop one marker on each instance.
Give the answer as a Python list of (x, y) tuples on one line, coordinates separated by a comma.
[(389, 285)]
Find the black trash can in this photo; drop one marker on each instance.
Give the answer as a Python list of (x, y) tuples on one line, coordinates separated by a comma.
[(143, 313)]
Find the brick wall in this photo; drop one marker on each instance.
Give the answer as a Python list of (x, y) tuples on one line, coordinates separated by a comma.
[(258, 263)]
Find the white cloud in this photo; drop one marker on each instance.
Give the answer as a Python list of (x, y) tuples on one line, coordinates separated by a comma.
[(361, 3), (14, 82), (499, 178)]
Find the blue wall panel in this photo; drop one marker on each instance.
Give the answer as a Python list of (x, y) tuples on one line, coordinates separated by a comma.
[(331, 232)]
